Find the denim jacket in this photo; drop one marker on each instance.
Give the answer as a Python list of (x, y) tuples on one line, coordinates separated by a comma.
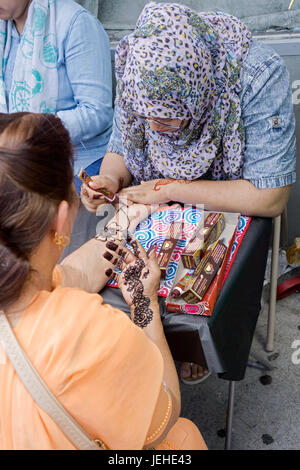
[(84, 80), (267, 110)]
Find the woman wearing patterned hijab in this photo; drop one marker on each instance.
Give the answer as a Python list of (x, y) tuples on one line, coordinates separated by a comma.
[(203, 115), (179, 65)]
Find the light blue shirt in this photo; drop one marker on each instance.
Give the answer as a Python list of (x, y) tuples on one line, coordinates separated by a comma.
[(84, 80), (268, 116)]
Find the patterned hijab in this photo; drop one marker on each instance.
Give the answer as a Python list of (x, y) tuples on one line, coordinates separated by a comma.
[(182, 65)]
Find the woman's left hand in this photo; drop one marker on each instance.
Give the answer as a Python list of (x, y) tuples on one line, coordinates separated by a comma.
[(148, 192)]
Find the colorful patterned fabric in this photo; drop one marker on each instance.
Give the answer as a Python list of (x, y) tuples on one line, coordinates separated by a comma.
[(35, 79), (153, 230), (182, 65)]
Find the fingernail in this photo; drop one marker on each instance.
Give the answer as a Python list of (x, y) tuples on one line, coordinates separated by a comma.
[(108, 272), (114, 277), (121, 253), (112, 246), (108, 256), (97, 196)]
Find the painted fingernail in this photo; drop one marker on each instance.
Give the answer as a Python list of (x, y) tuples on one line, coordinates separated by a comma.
[(121, 252), (112, 246), (108, 272), (114, 277), (108, 256), (151, 249), (97, 196)]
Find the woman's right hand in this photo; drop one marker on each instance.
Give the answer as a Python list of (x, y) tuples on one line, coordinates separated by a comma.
[(91, 198)]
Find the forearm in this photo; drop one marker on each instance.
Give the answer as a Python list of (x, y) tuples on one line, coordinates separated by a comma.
[(230, 196), (113, 166), (154, 331)]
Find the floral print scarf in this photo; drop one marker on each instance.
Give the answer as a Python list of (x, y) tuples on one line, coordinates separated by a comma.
[(35, 80), (182, 65)]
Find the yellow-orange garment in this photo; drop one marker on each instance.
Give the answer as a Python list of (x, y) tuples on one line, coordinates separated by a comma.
[(101, 367)]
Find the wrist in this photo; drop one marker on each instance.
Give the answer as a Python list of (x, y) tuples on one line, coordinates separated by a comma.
[(112, 179), (144, 314), (152, 304), (168, 192)]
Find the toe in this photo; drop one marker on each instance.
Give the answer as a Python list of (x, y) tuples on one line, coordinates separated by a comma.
[(185, 370)]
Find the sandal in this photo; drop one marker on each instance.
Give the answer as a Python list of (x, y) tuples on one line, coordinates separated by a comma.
[(195, 380)]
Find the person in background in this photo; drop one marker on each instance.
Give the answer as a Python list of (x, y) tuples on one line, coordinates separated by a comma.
[(203, 115), (113, 374), (55, 58)]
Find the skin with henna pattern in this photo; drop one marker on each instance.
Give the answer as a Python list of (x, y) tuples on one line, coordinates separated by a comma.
[(133, 279), (143, 315), (160, 183)]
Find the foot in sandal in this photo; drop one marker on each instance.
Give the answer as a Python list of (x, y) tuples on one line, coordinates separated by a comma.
[(192, 374)]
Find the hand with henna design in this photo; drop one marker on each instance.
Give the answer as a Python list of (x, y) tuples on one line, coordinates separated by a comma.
[(139, 280), (145, 193)]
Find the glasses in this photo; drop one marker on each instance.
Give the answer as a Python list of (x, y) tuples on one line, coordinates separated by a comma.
[(164, 124)]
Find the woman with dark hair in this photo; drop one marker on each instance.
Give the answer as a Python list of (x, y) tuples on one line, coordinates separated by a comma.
[(116, 377), (203, 115)]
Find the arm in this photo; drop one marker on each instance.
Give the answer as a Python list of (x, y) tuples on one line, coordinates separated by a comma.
[(229, 196), (114, 174), (85, 268), (139, 283), (270, 156), (88, 65), (113, 166)]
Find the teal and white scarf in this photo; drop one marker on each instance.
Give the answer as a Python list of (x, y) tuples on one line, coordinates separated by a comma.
[(34, 85)]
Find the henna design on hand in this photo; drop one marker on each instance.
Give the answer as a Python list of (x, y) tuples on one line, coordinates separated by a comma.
[(164, 182), (135, 248), (146, 274), (142, 315), (118, 262)]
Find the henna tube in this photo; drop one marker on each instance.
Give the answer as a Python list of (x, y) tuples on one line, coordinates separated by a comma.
[(182, 285), (214, 225), (196, 291), (85, 178)]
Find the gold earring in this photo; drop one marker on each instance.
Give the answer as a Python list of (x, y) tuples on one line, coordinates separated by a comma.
[(61, 240)]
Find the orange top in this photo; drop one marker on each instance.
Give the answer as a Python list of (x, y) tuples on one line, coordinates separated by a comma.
[(101, 367)]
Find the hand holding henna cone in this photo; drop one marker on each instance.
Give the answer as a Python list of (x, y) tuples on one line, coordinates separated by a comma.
[(86, 179)]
